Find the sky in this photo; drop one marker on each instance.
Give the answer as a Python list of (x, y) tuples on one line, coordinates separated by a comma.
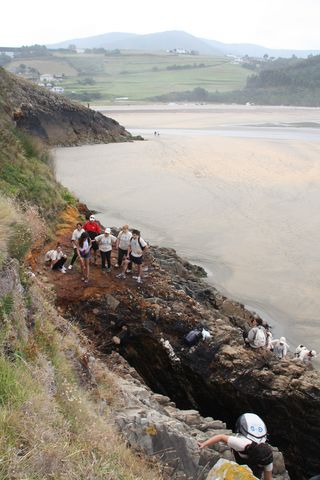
[(292, 24)]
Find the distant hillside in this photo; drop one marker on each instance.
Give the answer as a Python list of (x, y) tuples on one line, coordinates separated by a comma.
[(152, 42), (280, 82), (177, 39), (252, 50)]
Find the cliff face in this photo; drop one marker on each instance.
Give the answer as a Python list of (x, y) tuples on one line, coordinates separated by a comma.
[(53, 118), (220, 378)]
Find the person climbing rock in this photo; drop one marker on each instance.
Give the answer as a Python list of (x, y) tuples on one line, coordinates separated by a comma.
[(76, 234), (123, 242), (249, 446), (105, 242), (256, 337), (136, 248), (84, 246)]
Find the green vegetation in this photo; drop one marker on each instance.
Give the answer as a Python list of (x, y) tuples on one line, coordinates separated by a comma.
[(275, 82), (110, 75), (54, 409)]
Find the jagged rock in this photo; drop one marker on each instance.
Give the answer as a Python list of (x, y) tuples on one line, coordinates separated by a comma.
[(225, 469)]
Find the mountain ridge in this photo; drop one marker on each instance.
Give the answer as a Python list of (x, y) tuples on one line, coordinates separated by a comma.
[(169, 40)]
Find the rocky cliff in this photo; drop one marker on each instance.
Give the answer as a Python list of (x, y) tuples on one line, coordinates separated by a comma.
[(220, 378), (53, 118)]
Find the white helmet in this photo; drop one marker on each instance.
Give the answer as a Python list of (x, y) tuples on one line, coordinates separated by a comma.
[(252, 427)]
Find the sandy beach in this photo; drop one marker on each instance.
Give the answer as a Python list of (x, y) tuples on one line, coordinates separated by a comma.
[(235, 189)]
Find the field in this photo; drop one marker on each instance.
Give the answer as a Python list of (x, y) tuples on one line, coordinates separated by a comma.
[(137, 76)]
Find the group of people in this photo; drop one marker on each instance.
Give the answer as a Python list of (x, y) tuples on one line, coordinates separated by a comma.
[(260, 336), (88, 239)]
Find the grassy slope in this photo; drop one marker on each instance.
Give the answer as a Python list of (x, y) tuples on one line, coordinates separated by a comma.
[(139, 76), (54, 414)]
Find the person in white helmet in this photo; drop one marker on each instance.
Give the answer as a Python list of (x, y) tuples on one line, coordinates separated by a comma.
[(249, 445)]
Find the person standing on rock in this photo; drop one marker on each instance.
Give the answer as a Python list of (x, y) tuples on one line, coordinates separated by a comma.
[(123, 242), (135, 255), (249, 447), (76, 234), (84, 246), (105, 242), (93, 229)]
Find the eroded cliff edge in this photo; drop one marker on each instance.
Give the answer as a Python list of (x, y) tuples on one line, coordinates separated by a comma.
[(53, 118), (220, 378)]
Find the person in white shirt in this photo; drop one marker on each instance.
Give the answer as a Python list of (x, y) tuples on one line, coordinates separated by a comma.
[(280, 347), (56, 258), (123, 242), (76, 234), (248, 446), (105, 242), (135, 255), (306, 355)]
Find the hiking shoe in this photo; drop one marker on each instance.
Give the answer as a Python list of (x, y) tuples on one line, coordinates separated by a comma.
[(139, 280), (108, 269), (135, 277), (82, 279), (129, 271), (63, 270), (86, 280), (70, 267), (121, 275)]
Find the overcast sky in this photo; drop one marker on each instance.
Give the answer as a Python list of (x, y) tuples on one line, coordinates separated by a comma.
[(292, 24)]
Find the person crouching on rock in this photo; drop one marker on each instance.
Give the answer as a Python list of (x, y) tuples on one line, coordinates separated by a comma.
[(248, 446), (256, 337), (84, 246), (56, 258), (135, 255)]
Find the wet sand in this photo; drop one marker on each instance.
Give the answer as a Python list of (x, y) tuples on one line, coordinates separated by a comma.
[(245, 208)]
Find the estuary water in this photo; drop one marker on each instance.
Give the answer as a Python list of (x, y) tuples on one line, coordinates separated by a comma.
[(233, 189)]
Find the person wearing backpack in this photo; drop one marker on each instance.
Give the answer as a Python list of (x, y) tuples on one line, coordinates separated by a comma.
[(135, 255), (193, 337), (249, 445), (256, 337)]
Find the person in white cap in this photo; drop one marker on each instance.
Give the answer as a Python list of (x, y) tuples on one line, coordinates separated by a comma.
[(280, 347), (105, 242), (249, 446)]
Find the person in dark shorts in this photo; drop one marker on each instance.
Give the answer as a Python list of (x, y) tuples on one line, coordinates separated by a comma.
[(136, 248), (76, 234)]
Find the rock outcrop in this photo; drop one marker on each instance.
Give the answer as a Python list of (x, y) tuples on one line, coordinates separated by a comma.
[(219, 378), (53, 118)]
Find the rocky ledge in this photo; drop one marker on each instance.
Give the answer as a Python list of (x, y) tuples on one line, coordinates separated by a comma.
[(53, 118), (145, 324)]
